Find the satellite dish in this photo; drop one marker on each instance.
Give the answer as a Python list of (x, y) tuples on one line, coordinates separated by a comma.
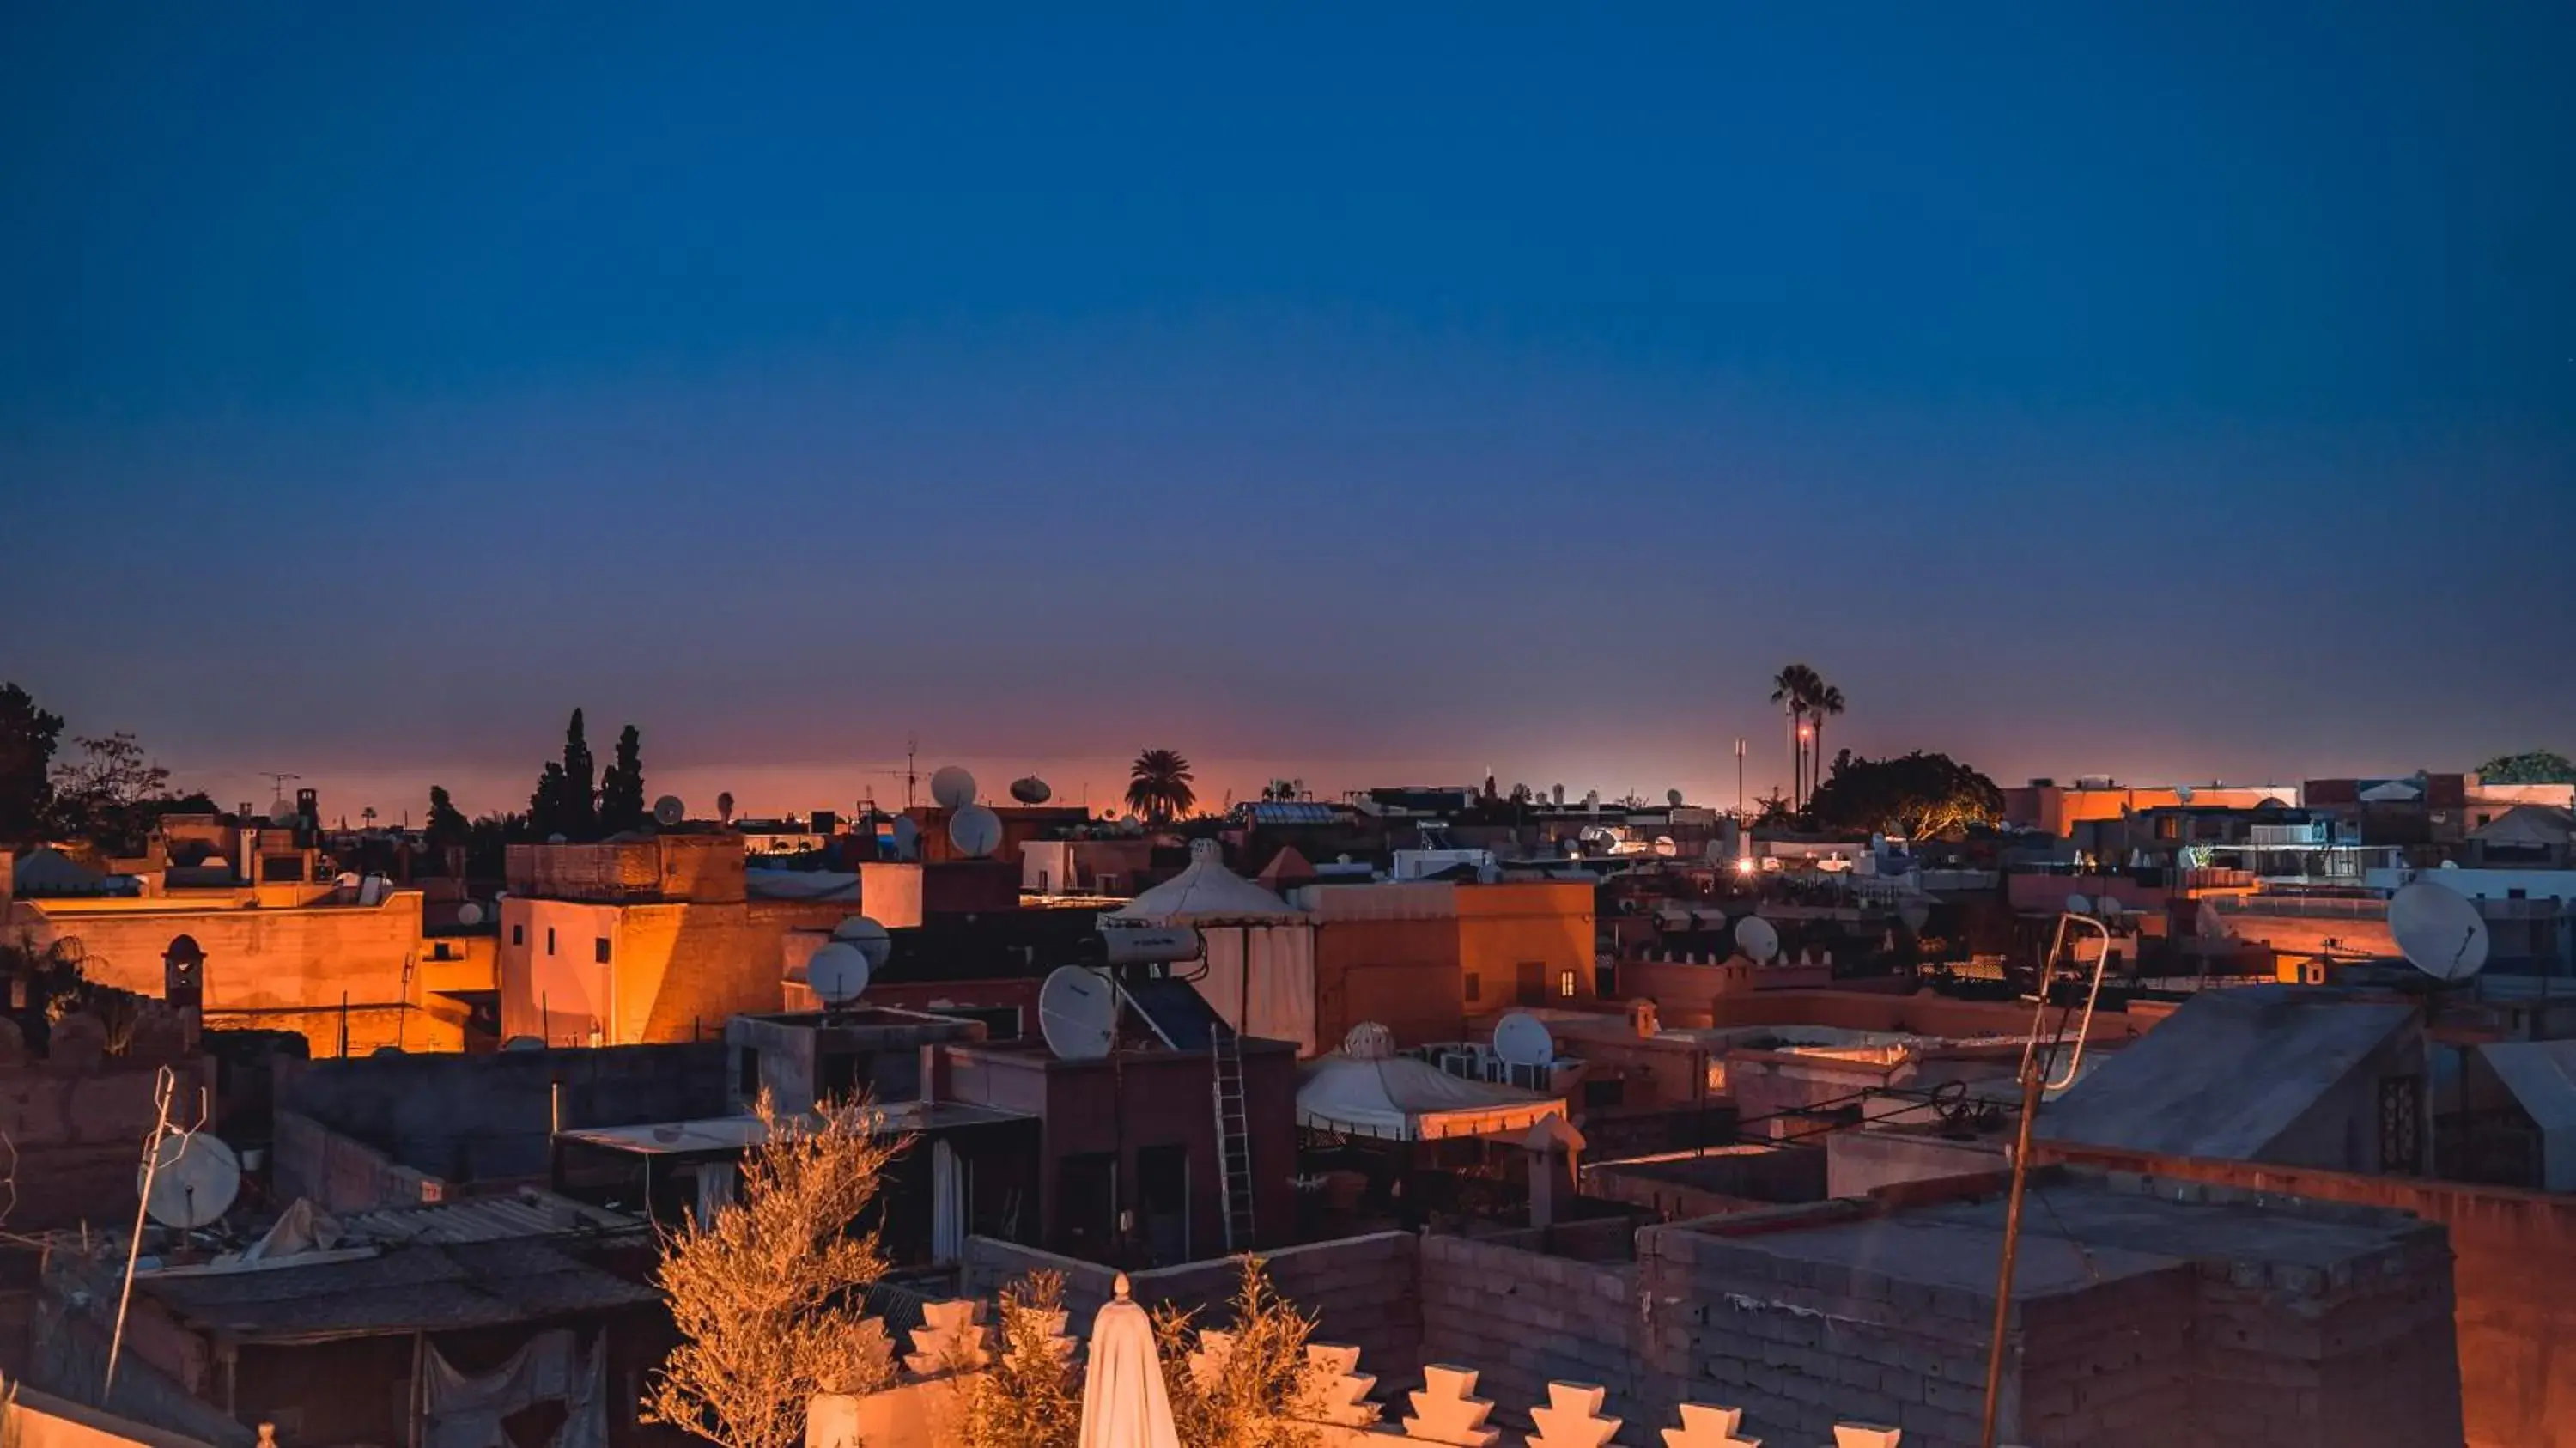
[(838, 973), (194, 1179), (2110, 905), (281, 813), (387, 1049), (2440, 932), (2182, 792), (1078, 1013), (668, 811), (523, 1043), (907, 837), (469, 913), (1031, 790), (557, 839), (2079, 904), (867, 936), (2450, 864), (1523, 1040), (1666, 846), (975, 831), (1757, 938), (1673, 797), (953, 787)]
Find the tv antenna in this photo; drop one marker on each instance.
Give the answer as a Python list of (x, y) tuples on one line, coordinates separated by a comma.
[(2038, 1077), (277, 779), (910, 774)]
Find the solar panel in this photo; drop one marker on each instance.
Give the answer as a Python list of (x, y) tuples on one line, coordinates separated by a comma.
[(1177, 1012)]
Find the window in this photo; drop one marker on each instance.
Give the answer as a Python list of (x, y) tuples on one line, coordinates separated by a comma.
[(1529, 983), (518, 935), (1565, 985), (1605, 981), (1475, 986), (599, 950), (550, 940), (1599, 1094), (746, 1080)]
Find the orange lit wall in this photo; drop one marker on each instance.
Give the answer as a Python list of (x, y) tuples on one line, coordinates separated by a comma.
[(1504, 929)]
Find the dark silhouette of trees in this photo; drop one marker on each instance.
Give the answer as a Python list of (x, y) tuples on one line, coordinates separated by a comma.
[(113, 792), (1158, 786), (621, 789), (566, 801), (2537, 766), (27, 738), (1917, 795)]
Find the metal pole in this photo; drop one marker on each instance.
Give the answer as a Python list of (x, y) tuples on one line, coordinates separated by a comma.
[(2030, 1084), (164, 1083)]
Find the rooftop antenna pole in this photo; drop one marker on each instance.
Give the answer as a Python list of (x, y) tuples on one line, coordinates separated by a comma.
[(277, 784), (2035, 1082), (911, 774), (164, 1084), (1739, 777)]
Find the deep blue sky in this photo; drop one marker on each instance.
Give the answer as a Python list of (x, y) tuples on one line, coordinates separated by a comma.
[(2188, 390)]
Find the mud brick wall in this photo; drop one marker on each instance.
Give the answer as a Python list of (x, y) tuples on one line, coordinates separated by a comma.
[(1523, 1320), (2359, 1353), (2114, 1365)]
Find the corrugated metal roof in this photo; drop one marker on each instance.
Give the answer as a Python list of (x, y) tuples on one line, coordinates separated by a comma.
[(407, 1289), (527, 1213)]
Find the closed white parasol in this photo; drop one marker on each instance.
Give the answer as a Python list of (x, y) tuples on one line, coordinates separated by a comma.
[(1123, 1402)]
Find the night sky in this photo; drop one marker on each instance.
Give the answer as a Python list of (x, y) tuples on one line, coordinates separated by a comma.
[(1366, 394)]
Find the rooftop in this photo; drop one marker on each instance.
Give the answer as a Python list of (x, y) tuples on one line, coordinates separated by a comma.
[(740, 1133), (422, 1287)]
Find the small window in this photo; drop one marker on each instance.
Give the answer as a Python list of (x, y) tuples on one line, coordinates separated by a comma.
[(599, 950), (1565, 985), (1475, 987), (518, 935), (1605, 982), (550, 940), (1598, 1094)]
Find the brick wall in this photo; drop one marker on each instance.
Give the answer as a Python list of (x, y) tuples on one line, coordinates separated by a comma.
[(341, 1173)]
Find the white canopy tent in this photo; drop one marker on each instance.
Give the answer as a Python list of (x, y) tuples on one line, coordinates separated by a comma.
[(1258, 950), (1364, 1089)]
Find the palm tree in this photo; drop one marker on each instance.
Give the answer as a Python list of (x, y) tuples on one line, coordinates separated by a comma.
[(1826, 702), (1795, 689), (1158, 786)]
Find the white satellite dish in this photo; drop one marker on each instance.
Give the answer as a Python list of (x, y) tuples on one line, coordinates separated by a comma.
[(1031, 790), (1666, 846), (469, 913), (195, 1177), (523, 1043), (2450, 864), (1673, 797), (2079, 904), (907, 838), (867, 937), (1523, 1040), (1757, 938), (953, 787), (2110, 905), (282, 813), (557, 839), (668, 811), (1078, 1013), (2439, 930), (975, 831), (2182, 792), (838, 973)]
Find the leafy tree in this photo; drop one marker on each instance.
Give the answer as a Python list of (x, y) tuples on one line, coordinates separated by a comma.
[(1775, 811), (447, 826), (1917, 795), (488, 840), (1158, 786), (1030, 1394), (2537, 766), (112, 793), (27, 738), (1827, 703), (768, 1294), (621, 790), (1255, 1387)]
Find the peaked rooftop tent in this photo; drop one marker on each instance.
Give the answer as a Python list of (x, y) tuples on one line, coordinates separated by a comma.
[(1366, 1090), (1257, 952)]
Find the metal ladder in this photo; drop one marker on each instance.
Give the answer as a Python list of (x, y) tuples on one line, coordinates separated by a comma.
[(1233, 1139)]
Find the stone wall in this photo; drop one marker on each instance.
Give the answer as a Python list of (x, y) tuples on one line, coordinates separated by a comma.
[(75, 1119)]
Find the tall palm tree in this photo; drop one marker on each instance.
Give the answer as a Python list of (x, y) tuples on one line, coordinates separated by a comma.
[(1826, 702), (1795, 689), (1158, 786)]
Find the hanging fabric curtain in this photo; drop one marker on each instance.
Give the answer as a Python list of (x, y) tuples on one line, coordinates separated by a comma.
[(947, 1203), (467, 1412)]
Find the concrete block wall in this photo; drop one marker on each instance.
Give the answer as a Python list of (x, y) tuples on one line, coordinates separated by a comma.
[(1524, 1319), (2361, 1352), (2110, 1366)]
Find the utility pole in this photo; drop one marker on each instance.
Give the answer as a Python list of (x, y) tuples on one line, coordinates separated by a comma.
[(1739, 777)]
